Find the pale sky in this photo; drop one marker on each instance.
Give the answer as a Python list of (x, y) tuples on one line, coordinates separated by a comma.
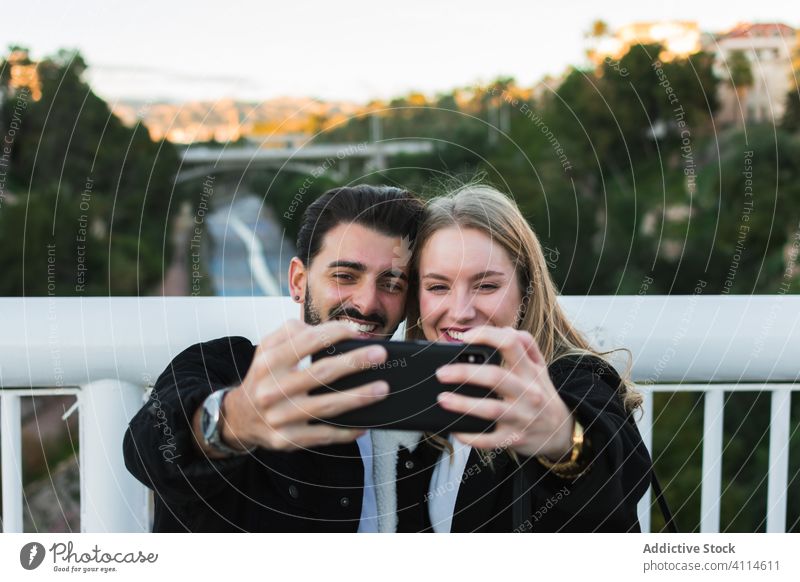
[(346, 49)]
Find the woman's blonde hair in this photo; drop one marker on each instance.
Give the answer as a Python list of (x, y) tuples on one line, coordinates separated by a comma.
[(481, 207)]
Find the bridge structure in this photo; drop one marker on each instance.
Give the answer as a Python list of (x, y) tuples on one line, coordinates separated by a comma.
[(314, 159), (248, 251)]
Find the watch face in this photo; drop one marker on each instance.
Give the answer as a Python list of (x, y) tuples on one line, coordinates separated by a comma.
[(205, 420)]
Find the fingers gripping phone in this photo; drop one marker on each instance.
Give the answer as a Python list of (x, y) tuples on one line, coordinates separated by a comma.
[(410, 370)]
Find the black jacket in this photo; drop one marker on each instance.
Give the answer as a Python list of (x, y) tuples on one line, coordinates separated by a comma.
[(320, 490)]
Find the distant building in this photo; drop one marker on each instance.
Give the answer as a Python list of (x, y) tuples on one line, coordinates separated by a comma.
[(768, 47), (679, 38)]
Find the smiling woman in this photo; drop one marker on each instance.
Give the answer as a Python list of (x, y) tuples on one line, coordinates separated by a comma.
[(563, 416)]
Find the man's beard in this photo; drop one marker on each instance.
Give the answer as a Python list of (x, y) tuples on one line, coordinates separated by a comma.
[(313, 316), (310, 311)]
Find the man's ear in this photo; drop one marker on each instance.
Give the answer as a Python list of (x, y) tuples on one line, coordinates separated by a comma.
[(298, 277)]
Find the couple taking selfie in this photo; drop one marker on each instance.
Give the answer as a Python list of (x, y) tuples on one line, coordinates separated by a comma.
[(251, 444)]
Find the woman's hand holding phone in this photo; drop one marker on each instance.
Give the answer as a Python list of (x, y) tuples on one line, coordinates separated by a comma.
[(530, 416)]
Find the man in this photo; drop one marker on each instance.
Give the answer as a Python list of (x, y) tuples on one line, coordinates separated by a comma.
[(241, 453)]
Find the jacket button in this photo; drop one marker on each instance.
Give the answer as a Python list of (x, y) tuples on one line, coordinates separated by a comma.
[(344, 501), (409, 465), (293, 492)]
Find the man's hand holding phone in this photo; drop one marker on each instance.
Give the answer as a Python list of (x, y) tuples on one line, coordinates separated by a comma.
[(272, 407)]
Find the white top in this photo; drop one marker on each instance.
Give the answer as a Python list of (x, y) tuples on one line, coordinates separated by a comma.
[(379, 504), (369, 507), (378, 450), (446, 480)]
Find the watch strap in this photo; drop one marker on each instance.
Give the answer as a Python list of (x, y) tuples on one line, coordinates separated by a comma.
[(212, 425)]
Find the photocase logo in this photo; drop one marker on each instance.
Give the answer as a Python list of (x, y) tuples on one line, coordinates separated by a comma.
[(31, 555)]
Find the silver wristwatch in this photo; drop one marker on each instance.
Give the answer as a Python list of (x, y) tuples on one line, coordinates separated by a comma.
[(210, 424)]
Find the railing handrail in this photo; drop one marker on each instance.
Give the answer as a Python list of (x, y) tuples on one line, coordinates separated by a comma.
[(112, 347), (49, 341)]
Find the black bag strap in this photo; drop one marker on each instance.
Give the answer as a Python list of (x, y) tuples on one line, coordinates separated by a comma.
[(669, 520)]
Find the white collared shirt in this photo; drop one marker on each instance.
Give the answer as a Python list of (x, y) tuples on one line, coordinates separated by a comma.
[(445, 482), (442, 493)]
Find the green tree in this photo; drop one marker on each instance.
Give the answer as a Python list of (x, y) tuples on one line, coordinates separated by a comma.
[(740, 75), (108, 188), (791, 117)]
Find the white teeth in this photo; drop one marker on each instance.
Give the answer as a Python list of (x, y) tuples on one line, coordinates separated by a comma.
[(359, 327), (456, 335)]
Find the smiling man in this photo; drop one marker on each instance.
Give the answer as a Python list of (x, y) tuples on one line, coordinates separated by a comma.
[(237, 419), (349, 279)]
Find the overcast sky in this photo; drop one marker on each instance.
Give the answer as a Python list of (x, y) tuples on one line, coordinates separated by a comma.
[(346, 49)]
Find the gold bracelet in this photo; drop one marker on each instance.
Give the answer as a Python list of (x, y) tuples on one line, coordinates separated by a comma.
[(572, 467)]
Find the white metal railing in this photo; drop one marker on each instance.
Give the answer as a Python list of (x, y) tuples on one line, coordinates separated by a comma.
[(108, 350)]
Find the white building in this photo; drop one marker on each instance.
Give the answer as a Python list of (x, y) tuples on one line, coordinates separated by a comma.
[(768, 47)]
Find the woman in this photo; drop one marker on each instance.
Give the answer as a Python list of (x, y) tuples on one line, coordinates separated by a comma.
[(565, 454)]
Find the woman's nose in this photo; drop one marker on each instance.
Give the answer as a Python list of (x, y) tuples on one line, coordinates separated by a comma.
[(462, 309)]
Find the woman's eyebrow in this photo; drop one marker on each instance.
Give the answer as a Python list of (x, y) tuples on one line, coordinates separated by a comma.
[(435, 276), (485, 274), (476, 276)]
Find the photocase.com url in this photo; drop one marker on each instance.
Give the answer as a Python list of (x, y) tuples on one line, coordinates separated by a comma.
[(726, 566)]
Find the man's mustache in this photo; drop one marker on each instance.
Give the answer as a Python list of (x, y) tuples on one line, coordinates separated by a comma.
[(353, 313)]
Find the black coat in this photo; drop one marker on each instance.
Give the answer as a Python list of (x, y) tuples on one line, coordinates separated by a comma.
[(320, 489)]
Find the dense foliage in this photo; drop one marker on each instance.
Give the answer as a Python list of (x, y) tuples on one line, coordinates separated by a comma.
[(87, 201)]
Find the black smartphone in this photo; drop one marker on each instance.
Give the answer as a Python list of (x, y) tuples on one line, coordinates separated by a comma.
[(410, 370)]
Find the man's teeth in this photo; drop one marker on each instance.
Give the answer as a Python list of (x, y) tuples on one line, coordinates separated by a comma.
[(456, 335), (360, 327)]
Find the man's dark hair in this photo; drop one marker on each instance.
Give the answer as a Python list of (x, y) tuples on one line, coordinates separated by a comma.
[(385, 209)]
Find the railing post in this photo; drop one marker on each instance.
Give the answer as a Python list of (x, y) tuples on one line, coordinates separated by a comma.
[(11, 444), (711, 485), (111, 499), (778, 471), (645, 424)]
